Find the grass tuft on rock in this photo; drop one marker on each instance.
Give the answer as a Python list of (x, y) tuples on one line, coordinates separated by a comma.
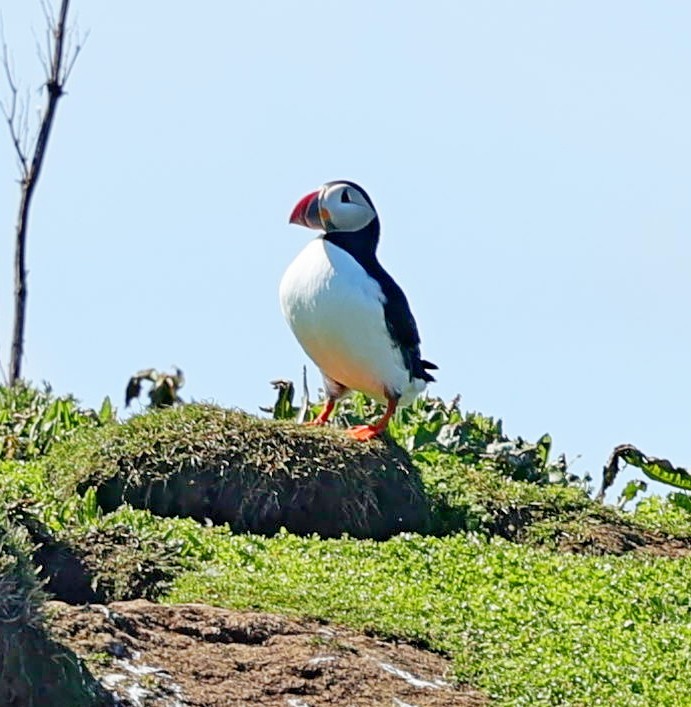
[(478, 498), (205, 462), (34, 670)]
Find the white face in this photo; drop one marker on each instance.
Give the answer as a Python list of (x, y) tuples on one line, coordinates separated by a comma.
[(342, 207)]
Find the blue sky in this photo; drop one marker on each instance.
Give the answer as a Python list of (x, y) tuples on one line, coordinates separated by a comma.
[(531, 164)]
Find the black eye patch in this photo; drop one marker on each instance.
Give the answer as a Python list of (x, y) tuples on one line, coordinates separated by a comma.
[(345, 199)]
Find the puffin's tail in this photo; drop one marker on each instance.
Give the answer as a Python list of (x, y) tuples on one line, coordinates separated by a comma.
[(423, 367)]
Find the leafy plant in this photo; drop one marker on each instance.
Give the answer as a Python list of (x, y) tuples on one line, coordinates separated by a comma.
[(32, 420), (671, 515), (661, 470), (283, 408), (630, 491), (163, 391)]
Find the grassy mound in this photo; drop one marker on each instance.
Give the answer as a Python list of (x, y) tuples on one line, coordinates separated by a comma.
[(102, 561), (204, 462), (478, 497), (34, 670)]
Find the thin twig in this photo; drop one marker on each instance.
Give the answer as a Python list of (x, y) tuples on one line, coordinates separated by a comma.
[(48, 14), (73, 59), (42, 57), (13, 123)]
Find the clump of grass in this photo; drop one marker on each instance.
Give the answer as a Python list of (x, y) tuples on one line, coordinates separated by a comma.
[(21, 598), (431, 424), (665, 515), (34, 670), (84, 555), (256, 475), (123, 563), (480, 498)]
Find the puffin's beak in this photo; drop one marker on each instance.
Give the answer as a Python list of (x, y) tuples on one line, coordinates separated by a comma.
[(306, 212)]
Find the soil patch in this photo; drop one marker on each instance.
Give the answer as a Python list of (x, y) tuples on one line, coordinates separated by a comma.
[(193, 655), (609, 538), (592, 529)]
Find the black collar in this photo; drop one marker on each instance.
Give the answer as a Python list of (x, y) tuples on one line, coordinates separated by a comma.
[(362, 244)]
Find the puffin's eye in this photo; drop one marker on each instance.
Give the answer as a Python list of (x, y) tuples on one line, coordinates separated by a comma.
[(345, 199)]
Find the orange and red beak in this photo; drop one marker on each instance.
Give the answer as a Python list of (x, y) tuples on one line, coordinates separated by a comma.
[(306, 212)]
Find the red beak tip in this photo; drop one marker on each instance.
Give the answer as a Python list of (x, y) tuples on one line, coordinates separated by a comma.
[(299, 213)]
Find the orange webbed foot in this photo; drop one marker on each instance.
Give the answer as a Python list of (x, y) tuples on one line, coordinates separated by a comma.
[(363, 433)]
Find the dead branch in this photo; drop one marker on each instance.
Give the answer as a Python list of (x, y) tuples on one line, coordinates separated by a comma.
[(14, 121), (61, 61)]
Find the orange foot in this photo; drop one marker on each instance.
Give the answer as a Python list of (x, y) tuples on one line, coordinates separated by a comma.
[(362, 433)]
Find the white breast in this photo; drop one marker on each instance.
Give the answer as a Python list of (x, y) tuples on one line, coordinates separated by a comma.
[(336, 311)]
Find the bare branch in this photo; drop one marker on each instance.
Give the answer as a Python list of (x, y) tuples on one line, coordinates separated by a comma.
[(58, 63), (42, 56), (14, 123), (48, 14), (23, 122), (73, 58)]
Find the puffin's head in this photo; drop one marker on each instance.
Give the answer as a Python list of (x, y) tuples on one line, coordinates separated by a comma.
[(336, 206)]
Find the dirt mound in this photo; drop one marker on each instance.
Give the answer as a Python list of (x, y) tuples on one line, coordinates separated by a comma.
[(601, 537), (205, 462), (591, 529), (201, 656)]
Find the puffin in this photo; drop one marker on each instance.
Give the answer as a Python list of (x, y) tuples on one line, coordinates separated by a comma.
[(346, 311)]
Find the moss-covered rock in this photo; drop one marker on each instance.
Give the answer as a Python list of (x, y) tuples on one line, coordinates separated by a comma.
[(256, 475), (102, 561), (34, 670)]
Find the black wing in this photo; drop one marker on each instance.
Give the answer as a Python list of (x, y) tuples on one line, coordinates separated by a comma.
[(402, 327), (399, 319)]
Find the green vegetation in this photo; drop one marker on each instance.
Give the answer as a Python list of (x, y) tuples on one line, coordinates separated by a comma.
[(86, 555), (34, 670), (661, 470), (530, 627), (539, 594), (32, 420)]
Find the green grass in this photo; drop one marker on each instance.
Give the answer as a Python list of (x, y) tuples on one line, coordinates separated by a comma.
[(528, 626), (522, 621), (127, 554), (664, 515)]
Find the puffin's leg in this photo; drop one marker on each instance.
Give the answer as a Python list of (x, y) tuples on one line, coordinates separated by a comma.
[(323, 416), (334, 391), (365, 432)]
